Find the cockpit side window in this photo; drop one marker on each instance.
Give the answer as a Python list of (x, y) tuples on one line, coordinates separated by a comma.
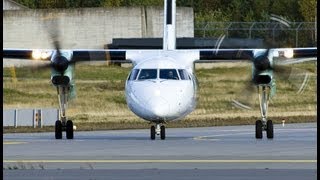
[(133, 75), (148, 74), (184, 74), (169, 74)]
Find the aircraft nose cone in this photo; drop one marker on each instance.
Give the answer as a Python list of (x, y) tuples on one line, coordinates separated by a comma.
[(159, 106)]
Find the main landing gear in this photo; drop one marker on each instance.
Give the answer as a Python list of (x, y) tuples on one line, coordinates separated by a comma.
[(264, 124), (158, 130), (63, 124)]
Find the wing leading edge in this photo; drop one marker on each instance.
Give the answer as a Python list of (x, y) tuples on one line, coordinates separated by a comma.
[(248, 54), (205, 55), (77, 55)]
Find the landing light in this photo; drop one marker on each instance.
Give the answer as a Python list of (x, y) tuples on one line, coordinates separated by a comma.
[(288, 53), (45, 55), (36, 54), (40, 54)]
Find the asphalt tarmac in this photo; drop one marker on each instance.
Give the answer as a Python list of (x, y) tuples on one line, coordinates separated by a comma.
[(229, 152)]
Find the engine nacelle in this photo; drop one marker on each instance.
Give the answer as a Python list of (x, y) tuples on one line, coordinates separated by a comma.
[(262, 63), (60, 80), (63, 79), (262, 69), (262, 79), (60, 63)]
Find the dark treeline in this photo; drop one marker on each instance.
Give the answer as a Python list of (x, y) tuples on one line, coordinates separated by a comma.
[(205, 10)]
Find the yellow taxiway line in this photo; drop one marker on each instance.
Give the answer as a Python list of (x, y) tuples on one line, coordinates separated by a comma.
[(13, 142), (163, 161)]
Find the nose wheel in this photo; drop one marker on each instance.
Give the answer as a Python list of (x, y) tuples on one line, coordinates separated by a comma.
[(158, 130), (153, 133)]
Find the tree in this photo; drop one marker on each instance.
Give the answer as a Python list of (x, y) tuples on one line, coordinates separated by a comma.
[(111, 3), (308, 9), (142, 3), (288, 9), (28, 3)]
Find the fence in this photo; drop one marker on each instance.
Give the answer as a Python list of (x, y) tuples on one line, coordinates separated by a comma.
[(296, 34), (30, 117)]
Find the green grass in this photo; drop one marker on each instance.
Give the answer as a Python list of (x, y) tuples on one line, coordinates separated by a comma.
[(100, 102)]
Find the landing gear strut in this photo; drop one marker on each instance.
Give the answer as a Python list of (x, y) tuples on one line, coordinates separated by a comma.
[(264, 124), (158, 130), (63, 124)]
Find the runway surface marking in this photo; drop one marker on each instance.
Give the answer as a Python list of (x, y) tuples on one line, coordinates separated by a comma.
[(242, 132), (165, 161), (210, 137), (13, 142)]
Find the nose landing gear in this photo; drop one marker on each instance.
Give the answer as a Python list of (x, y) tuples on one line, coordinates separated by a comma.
[(158, 130)]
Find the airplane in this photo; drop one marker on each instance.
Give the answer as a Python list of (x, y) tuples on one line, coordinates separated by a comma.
[(162, 85)]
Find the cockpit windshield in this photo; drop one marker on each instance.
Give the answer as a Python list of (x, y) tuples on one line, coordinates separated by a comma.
[(133, 75), (147, 74), (183, 74), (169, 74)]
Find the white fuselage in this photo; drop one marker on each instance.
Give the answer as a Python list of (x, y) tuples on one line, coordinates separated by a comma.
[(160, 98), (151, 92)]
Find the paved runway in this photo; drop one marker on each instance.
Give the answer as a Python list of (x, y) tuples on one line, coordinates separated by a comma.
[(226, 152)]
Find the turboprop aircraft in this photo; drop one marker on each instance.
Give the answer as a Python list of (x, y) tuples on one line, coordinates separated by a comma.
[(162, 85)]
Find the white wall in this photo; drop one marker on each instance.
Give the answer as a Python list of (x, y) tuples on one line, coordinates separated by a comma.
[(89, 27)]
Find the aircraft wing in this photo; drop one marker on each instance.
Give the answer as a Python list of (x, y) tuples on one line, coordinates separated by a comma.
[(100, 55), (17, 53), (294, 55), (77, 55)]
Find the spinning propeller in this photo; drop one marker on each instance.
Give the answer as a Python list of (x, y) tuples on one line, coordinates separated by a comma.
[(59, 61), (266, 68)]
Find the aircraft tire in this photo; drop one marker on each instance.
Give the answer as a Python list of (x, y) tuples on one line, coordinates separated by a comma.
[(259, 127), (153, 133), (58, 129), (69, 129), (269, 129), (163, 132)]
